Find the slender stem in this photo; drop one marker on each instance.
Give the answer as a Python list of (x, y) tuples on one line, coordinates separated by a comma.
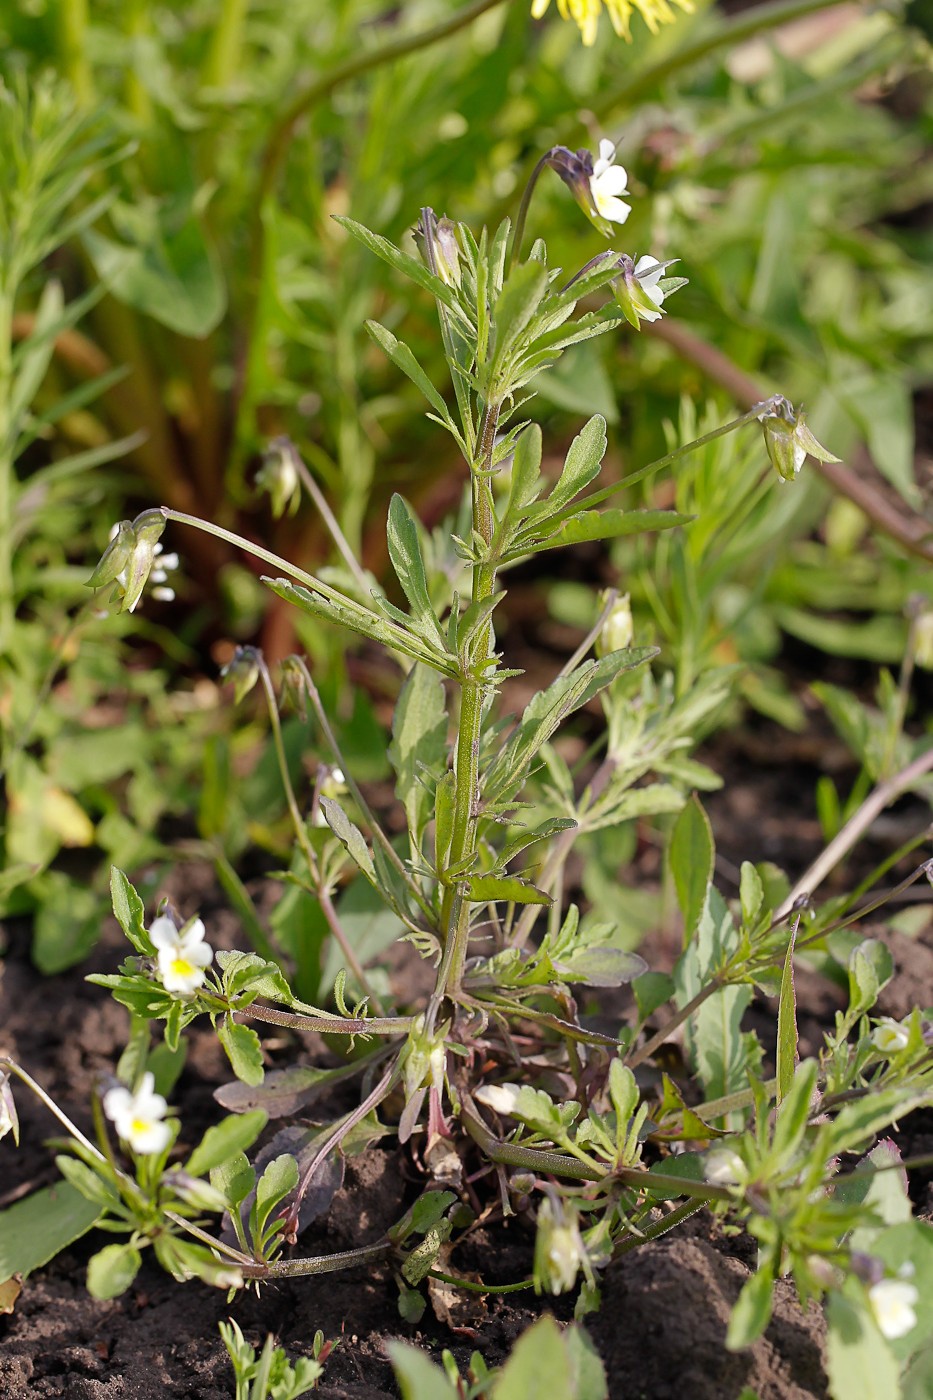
[(328, 1025), (881, 796), (518, 233), (301, 833), (52, 1106), (330, 520), (323, 1264), (657, 1040), (455, 908), (7, 447), (223, 57), (339, 1131), (660, 1227), (557, 1164), (471, 1287)]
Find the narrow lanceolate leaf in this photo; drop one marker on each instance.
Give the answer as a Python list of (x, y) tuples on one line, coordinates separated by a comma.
[(515, 306), (346, 613), (787, 1053), (691, 861), (410, 267), (418, 751), (545, 713), (130, 912), (484, 889), (407, 561), (402, 357), (582, 464), (592, 525), (350, 835), (752, 1311)]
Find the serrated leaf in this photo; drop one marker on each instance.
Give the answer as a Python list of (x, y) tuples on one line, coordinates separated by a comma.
[(350, 836), (582, 464), (402, 357), (588, 525)]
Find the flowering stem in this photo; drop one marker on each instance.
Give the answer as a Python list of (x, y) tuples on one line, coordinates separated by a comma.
[(52, 1106), (330, 520), (518, 232), (323, 1264), (455, 908), (301, 832)]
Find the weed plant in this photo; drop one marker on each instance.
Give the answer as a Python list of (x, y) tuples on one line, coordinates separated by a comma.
[(497, 1067)]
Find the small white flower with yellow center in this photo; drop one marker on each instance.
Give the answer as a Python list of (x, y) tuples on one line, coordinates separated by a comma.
[(607, 182), (892, 1302), (138, 1117), (182, 954), (890, 1036)]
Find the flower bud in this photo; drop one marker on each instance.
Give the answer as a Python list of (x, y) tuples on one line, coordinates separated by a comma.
[(243, 670), (279, 476), (447, 252), (116, 556), (560, 1253), (788, 440), (724, 1167), (201, 1195), (9, 1121), (618, 630), (639, 290), (923, 639)]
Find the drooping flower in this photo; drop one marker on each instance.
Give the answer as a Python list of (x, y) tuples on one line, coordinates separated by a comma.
[(890, 1036), (892, 1302), (560, 1252), (607, 182), (182, 954), (243, 669), (133, 557), (279, 476), (788, 440), (585, 14), (595, 185), (639, 290), (139, 1117)]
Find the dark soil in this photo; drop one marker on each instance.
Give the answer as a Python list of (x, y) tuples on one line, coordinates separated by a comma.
[(665, 1308)]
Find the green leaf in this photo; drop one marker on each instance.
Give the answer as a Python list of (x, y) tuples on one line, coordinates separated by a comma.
[(85, 1179), (225, 1140), (787, 1053), (351, 837), (481, 889), (714, 1032), (278, 1180), (407, 561), (130, 912), (752, 1311), (751, 894), (588, 1375), (538, 1366), (691, 855), (860, 1363), (418, 1378), (112, 1270), (35, 1229), (588, 525), (581, 466), (243, 1049), (402, 357), (515, 306), (411, 267), (234, 1179), (794, 1111), (871, 968), (652, 989), (418, 751), (525, 483)]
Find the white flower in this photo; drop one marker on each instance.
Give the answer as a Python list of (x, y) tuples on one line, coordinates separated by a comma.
[(892, 1302), (9, 1123), (649, 273), (149, 561), (138, 1117), (890, 1036), (182, 953), (723, 1167), (618, 629), (499, 1097), (607, 182)]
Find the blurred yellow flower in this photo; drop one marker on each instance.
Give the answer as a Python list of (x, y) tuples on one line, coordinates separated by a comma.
[(586, 13)]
